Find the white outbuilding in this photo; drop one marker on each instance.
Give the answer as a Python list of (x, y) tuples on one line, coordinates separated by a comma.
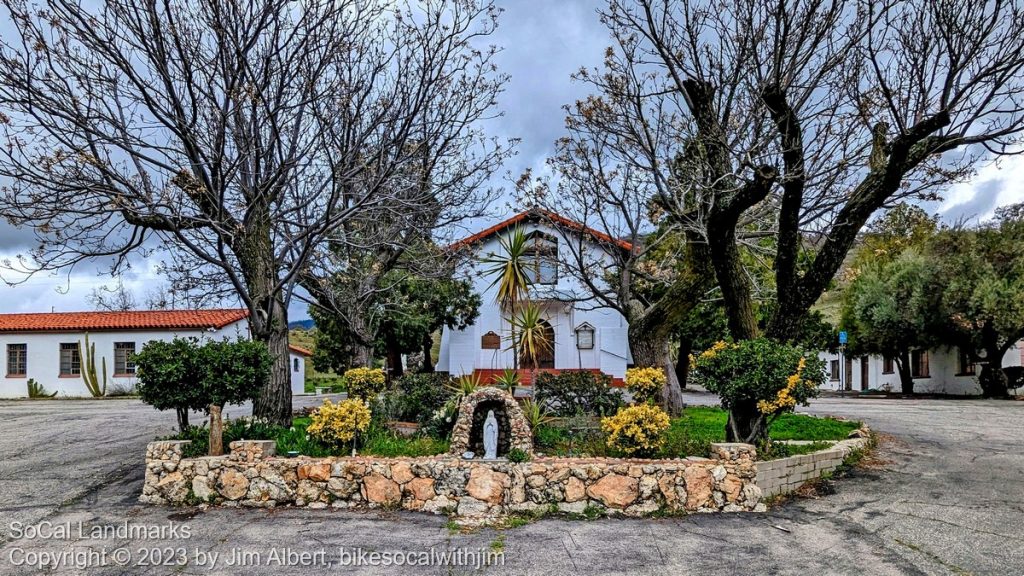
[(47, 347)]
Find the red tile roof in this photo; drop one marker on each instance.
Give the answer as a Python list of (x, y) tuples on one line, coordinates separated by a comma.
[(537, 214), (132, 320), (300, 350)]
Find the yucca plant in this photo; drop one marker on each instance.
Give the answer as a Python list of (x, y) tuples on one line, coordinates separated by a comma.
[(536, 415), (509, 270), (530, 333), (508, 380)]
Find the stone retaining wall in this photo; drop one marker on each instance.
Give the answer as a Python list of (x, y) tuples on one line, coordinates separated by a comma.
[(252, 476), (785, 475)]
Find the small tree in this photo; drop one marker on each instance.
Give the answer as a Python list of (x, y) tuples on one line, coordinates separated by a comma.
[(169, 375), (183, 375), (233, 372), (757, 380)]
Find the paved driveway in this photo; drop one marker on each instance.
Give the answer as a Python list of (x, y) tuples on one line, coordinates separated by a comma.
[(948, 500)]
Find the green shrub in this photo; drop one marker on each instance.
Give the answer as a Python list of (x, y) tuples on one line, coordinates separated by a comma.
[(442, 421), (418, 396), (517, 455), (756, 380), (569, 393), (169, 377)]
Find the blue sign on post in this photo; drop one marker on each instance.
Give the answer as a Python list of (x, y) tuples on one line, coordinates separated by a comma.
[(842, 337)]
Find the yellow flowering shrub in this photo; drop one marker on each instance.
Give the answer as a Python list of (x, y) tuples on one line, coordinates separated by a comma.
[(786, 398), (336, 424), (645, 383), (364, 383), (637, 430)]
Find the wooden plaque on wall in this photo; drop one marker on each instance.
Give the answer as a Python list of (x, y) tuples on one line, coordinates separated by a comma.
[(490, 341)]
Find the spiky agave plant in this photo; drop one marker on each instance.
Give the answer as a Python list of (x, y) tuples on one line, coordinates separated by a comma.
[(536, 415), (508, 380)]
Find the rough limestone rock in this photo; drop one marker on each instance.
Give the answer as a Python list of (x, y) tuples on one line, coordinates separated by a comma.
[(615, 490), (201, 488), (698, 486), (519, 428), (381, 490), (421, 488), (232, 484), (575, 490), (487, 485), (315, 472), (342, 488), (173, 487), (401, 472)]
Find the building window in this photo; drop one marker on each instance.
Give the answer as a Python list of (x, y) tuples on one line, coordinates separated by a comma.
[(833, 372), (70, 359), (965, 365), (919, 364), (295, 364), (541, 257), (585, 336), (887, 365), (17, 359), (124, 357)]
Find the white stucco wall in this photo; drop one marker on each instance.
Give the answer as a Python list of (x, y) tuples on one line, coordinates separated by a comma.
[(942, 373), (43, 357), (461, 350)]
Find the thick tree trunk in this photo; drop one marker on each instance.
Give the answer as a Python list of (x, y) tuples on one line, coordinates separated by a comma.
[(906, 376), (683, 362), (993, 381), (216, 432), (182, 418), (395, 368), (428, 348), (651, 350), (274, 402), (746, 424)]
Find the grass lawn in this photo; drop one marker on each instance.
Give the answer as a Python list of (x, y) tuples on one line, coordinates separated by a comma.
[(699, 426), (707, 422)]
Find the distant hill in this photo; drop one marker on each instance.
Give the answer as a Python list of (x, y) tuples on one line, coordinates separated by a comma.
[(307, 324)]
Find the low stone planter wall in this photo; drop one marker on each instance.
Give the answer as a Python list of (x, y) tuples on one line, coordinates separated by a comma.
[(252, 476), (775, 477)]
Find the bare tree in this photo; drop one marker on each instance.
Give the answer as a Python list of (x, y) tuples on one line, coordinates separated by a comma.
[(239, 136), (798, 120), (112, 298)]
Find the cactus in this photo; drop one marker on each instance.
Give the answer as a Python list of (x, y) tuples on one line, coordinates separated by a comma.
[(36, 390), (89, 368)]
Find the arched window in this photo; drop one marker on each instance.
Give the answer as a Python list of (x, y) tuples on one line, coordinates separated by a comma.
[(295, 364), (541, 259)]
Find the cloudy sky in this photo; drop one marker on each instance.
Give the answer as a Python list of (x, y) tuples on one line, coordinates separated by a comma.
[(544, 42)]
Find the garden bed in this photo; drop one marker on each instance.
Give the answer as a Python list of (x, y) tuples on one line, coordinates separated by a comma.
[(692, 434)]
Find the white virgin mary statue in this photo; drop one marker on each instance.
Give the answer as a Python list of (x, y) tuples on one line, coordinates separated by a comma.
[(490, 436)]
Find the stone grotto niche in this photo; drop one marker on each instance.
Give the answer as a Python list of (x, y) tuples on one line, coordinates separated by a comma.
[(513, 430)]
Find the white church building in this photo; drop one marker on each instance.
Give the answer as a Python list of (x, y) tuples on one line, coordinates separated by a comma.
[(586, 337), (47, 347)]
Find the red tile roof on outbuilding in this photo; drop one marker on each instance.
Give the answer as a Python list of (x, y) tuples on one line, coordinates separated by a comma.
[(536, 214), (300, 350), (132, 320)]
